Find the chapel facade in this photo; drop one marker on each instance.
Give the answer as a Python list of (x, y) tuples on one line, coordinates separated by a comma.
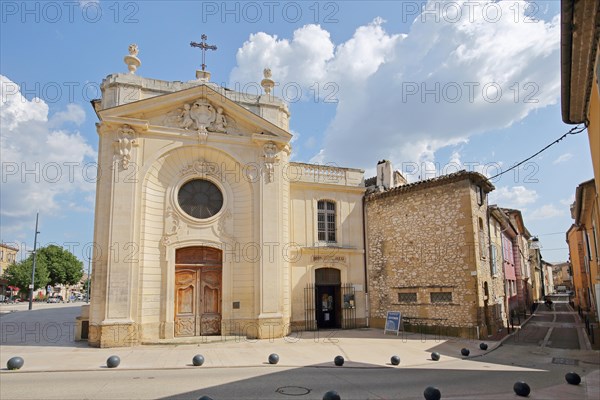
[(203, 225)]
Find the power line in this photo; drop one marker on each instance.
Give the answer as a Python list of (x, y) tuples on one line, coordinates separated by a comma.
[(573, 131)]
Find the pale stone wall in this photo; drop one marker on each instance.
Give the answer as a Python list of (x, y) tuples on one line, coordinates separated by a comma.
[(309, 184), (139, 224), (425, 239)]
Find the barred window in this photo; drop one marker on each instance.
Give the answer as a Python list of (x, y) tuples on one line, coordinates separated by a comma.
[(326, 221), (407, 297), (441, 297)]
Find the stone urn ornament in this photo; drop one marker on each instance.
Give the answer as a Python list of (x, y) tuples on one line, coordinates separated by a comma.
[(131, 60)]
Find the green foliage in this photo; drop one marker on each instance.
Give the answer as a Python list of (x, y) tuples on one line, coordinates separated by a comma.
[(63, 267), (53, 265), (19, 275)]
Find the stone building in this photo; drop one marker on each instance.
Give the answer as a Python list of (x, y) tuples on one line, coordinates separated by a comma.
[(429, 256), (204, 227), (562, 275), (8, 255)]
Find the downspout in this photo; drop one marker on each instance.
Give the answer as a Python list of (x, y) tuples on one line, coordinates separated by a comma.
[(364, 221)]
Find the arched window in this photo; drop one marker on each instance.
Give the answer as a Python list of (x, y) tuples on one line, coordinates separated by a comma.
[(326, 221)]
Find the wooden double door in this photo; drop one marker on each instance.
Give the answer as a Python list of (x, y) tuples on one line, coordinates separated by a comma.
[(198, 287)]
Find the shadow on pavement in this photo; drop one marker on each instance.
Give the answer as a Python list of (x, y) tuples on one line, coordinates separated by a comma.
[(42, 327)]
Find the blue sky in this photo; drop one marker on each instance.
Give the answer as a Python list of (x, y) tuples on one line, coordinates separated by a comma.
[(376, 80)]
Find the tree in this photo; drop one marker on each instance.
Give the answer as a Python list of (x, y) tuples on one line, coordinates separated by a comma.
[(63, 267), (19, 275)]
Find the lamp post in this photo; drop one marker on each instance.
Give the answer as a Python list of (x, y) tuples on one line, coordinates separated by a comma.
[(89, 281), (535, 245), (31, 286)]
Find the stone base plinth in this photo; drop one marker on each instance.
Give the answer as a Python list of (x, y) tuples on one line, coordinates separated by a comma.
[(111, 334)]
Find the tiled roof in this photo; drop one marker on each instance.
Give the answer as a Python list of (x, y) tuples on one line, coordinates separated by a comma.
[(475, 177)]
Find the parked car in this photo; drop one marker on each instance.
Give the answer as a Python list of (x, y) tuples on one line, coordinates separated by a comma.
[(55, 299)]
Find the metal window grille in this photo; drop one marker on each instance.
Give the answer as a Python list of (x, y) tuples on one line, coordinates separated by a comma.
[(441, 297), (407, 297)]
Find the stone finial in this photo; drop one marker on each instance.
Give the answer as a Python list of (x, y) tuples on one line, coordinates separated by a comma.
[(267, 83), (132, 61)]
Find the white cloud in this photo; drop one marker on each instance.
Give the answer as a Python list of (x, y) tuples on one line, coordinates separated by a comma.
[(563, 158), (318, 158), (74, 113), (513, 197), (42, 164), (403, 97), (545, 212), (568, 201)]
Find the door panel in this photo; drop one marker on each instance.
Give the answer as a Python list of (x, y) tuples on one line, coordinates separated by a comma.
[(198, 288), (210, 284), (185, 302)]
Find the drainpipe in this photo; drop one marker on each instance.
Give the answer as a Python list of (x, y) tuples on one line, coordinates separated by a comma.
[(364, 222)]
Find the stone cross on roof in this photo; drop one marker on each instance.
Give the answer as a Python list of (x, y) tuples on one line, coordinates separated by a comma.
[(203, 46)]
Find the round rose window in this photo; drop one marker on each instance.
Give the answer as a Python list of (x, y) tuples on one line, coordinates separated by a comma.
[(200, 198)]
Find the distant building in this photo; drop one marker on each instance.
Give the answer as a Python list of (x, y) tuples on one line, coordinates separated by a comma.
[(508, 239), (521, 257), (562, 275), (428, 254), (8, 255)]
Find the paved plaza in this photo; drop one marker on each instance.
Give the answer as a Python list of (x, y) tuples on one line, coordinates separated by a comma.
[(540, 353)]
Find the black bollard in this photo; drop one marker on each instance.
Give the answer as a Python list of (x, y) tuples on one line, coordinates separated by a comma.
[(331, 395), (205, 398), (395, 360), (483, 346), (432, 393), (198, 360), (113, 362), (15, 363), (435, 356), (573, 378), (273, 358), (339, 361), (465, 352), (522, 389)]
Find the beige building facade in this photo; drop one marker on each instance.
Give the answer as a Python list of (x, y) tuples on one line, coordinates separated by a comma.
[(203, 226)]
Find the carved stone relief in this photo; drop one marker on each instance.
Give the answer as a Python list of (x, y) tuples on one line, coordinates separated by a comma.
[(270, 151), (124, 145), (172, 225), (200, 167), (201, 117), (224, 226)]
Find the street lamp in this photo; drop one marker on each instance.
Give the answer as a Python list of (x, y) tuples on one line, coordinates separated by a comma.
[(89, 281), (31, 286), (535, 245)]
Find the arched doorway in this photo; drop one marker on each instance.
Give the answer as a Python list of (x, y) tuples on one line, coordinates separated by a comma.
[(198, 278), (328, 298)]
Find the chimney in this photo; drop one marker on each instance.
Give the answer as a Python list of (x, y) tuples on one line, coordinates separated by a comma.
[(385, 174)]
